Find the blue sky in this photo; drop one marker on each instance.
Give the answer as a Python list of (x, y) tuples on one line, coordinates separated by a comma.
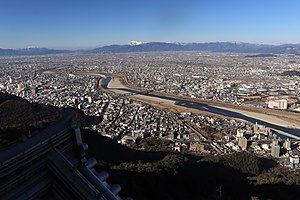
[(76, 24)]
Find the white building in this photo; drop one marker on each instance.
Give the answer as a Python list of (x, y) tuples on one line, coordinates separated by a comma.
[(294, 159), (240, 133), (278, 104)]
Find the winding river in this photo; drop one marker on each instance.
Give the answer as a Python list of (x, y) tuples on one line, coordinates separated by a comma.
[(294, 132)]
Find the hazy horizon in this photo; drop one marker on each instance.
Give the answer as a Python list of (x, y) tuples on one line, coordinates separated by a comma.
[(82, 25), (128, 43)]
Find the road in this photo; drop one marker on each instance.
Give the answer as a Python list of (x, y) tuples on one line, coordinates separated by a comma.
[(283, 127)]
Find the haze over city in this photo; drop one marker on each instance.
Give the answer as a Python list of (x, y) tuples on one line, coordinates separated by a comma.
[(93, 23)]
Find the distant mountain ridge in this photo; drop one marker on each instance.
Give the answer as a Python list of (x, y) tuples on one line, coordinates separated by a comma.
[(212, 47), (164, 46), (31, 51)]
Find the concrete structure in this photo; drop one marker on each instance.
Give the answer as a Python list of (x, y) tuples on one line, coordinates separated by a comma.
[(275, 142), (196, 147), (261, 129), (294, 159), (287, 144), (278, 104), (240, 133), (242, 142), (275, 150)]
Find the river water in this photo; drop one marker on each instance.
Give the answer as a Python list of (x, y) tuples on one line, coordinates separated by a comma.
[(212, 109)]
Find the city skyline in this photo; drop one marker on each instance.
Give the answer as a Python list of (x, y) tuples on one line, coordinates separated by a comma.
[(80, 25)]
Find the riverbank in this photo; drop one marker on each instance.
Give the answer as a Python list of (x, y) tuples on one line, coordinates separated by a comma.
[(116, 85), (292, 118)]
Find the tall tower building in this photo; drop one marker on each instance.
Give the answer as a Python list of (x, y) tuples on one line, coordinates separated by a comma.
[(275, 142), (240, 133), (287, 144), (275, 151), (242, 142)]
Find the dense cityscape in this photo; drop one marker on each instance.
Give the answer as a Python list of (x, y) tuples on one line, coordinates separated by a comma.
[(73, 80), (150, 100)]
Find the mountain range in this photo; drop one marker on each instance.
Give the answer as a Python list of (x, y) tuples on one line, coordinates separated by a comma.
[(31, 51), (163, 46)]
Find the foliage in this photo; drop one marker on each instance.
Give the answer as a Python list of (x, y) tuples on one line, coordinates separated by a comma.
[(245, 162), (19, 118), (212, 133), (169, 164), (156, 173), (153, 144), (279, 175)]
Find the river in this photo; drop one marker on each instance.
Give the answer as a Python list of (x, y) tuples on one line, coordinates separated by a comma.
[(211, 109)]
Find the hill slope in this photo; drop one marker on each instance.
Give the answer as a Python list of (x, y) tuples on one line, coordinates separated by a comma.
[(19, 118), (213, 47), (160, 175), (164, 46), (30, 51)]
